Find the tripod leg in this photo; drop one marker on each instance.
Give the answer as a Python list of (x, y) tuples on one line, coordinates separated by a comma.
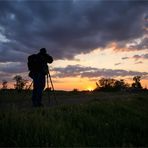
[(52, 88), (48, 89)]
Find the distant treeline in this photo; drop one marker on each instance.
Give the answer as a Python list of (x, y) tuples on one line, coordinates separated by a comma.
[(104, 84), (109, 84)]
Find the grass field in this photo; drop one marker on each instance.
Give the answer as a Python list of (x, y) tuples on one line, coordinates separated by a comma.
[(80, 119)]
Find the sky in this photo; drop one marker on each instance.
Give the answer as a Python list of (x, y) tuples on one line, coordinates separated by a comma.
[(88, 40)]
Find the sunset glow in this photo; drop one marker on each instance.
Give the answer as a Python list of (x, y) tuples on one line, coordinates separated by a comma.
[(89, 88)]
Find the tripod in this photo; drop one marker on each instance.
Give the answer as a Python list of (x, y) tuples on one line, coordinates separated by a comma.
[(52, 87)]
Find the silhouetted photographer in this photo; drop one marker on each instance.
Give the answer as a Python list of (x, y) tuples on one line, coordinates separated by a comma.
[(37, 64)]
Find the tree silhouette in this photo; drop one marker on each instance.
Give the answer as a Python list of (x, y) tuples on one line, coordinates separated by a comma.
[(4, 84), (20, 82), (121, 85), (108, 84), (136, 84), (105, 84)]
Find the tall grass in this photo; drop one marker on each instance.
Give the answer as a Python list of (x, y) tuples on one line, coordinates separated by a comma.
[(97, 123)]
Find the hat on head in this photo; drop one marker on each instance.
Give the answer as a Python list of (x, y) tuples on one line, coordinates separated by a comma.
[(43, 50)]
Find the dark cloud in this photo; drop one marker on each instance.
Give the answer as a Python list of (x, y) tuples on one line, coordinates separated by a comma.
[(12, 55), (69, 27), (91, 72), (5, 76), (142, 45)]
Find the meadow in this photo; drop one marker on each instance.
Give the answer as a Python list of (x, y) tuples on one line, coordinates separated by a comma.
[(80, 119)]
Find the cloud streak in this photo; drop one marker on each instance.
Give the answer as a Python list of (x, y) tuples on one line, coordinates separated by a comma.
[(91, 72), (140, 62), (137, 57), (116, 64), (12, 67)]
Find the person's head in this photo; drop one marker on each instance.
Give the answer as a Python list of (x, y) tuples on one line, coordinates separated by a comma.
[(43, 51)]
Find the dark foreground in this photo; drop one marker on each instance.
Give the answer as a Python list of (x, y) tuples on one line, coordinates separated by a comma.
[(79, 119)]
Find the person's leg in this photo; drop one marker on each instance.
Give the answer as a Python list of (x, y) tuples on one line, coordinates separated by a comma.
[(40, 88), (35, 92)]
